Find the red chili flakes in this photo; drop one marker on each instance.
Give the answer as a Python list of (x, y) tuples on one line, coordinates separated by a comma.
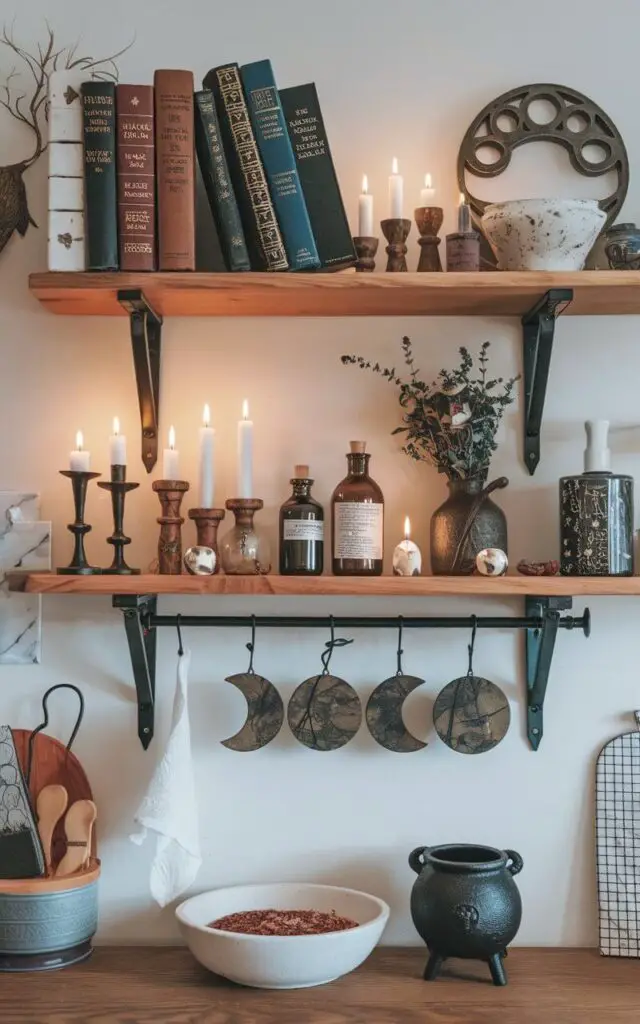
[(283, 922)]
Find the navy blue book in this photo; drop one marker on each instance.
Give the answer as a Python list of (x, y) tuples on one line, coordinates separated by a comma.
[(217, 183), (278, 159)]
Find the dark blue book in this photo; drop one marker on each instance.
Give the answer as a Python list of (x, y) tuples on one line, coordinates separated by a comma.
[(278, 159), (217, 183)]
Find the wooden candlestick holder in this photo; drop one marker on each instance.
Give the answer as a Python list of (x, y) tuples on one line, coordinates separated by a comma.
[(207, 521), (429, 221), (396, 231), (366, 247), (170, 493), (78, 565), (118, 487)]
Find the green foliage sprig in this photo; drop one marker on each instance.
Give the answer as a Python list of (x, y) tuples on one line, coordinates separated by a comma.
[(451, 422)]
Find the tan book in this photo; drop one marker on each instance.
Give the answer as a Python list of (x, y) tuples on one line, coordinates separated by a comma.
[(175, 169)]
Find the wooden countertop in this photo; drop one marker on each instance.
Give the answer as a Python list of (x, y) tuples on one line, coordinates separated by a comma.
[(142, 985)]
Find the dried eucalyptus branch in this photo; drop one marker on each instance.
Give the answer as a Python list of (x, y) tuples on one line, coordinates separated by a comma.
[(451, 422)]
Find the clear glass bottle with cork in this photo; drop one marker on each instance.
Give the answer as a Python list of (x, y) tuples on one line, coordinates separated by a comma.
[(301, 529), (357, 519)]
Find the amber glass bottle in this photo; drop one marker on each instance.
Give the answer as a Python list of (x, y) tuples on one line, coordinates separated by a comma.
[(357, 519), (301, 529)]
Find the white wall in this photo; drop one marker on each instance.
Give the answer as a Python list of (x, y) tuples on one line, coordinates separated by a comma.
[(400, 79)]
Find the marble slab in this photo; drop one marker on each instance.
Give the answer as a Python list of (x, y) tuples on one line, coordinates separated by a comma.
[(25, 543)]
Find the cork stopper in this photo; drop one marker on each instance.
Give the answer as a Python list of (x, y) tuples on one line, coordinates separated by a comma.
[(301, 472), (358, 447)]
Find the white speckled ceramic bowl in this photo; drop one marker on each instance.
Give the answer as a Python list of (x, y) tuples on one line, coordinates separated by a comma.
[(542, 234), (282, 961)]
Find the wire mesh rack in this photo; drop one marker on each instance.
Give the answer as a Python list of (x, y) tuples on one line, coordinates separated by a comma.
[(618, 844)]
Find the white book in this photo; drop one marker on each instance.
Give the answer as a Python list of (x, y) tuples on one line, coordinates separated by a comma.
[(66, 240), (66, 247)]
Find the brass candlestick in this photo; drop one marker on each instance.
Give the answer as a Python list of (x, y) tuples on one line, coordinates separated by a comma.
[(207, 521), (396, 231), (429, 221), (244, 551), (366, 247), (119, 488), (170, 493), (78, 565)]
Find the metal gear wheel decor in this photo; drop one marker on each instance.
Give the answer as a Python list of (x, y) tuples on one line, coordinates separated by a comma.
[(577, 122)]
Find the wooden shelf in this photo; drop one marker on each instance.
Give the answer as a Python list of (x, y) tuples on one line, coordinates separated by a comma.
[(335, 586), (164, 984), (336, 295)]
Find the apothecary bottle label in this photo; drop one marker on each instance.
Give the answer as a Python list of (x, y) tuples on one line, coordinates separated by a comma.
[(358, 530), (303, 529)]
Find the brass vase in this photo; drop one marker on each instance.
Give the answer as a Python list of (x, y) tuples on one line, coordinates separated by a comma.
[(464, 524)]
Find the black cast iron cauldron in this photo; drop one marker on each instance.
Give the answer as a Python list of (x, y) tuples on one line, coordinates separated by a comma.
[(466, 904)]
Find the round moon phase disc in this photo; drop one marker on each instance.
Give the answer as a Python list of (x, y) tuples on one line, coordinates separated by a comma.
[(265, 712), (324, 712), (384, 714), (471, 715)]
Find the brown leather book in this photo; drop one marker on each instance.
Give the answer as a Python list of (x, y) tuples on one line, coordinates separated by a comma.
[(175, 170), (136, 177)]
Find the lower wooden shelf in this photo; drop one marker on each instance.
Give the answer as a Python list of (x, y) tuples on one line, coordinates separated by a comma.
[(137, 985), (336, 586)]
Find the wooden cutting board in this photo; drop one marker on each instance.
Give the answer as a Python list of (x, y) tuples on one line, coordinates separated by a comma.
[(53, 764)]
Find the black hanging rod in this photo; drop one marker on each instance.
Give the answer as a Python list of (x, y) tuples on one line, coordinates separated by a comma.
[(151, 621)]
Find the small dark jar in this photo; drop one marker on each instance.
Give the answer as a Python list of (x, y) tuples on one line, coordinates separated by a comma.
[(466, 904)]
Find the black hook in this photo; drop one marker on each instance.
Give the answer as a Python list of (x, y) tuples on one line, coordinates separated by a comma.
[(43, 725), (471, 647), (330, 645), (180, 647), (251, 646), (400, 651)]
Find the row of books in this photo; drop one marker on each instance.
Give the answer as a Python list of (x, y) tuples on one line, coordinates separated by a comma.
[(122, 173)]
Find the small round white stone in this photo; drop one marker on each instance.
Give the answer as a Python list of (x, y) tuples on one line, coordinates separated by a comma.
[(492, 562)]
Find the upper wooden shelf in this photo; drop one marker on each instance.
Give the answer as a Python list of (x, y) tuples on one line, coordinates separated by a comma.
[(601, 292), (337, 586)]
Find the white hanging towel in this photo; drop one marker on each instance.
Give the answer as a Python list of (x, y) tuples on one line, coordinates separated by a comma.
[(169, 808)]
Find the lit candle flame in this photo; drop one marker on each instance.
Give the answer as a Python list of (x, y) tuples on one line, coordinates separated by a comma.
[(365, 184), (462, 199), (245, 410), (427, 181), (206, 416), (116, 426), (79, 441), (172, 438), (394, 165), (407, 528)]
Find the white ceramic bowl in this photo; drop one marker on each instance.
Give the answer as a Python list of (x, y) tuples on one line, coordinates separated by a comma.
[(542, 234), (282, 961)]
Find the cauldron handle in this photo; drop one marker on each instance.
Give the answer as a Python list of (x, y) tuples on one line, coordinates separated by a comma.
[(517, 863), (415, 858)]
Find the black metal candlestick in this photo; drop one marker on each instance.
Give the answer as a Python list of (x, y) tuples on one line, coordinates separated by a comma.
[(119, 488), (79, 565)]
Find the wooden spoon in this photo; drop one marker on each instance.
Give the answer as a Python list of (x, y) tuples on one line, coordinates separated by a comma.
[(78, 826), (51, 803)]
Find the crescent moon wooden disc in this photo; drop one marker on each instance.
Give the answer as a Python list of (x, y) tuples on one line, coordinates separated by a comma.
[(265, 712), (324, 712), (471, 715), (384, 714)]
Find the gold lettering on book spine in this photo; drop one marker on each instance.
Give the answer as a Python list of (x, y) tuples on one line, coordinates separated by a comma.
[(254, 176)]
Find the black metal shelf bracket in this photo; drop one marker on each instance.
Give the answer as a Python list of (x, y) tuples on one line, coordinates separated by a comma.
[(538, 328), (146, 336), (141, 638), (539, 646), (542, 620)]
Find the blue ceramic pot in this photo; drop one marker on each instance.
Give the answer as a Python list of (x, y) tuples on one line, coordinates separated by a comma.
[(622, 246)]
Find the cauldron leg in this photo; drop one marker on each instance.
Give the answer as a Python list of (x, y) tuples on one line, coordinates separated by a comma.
[(496, 967), (434, 963)]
